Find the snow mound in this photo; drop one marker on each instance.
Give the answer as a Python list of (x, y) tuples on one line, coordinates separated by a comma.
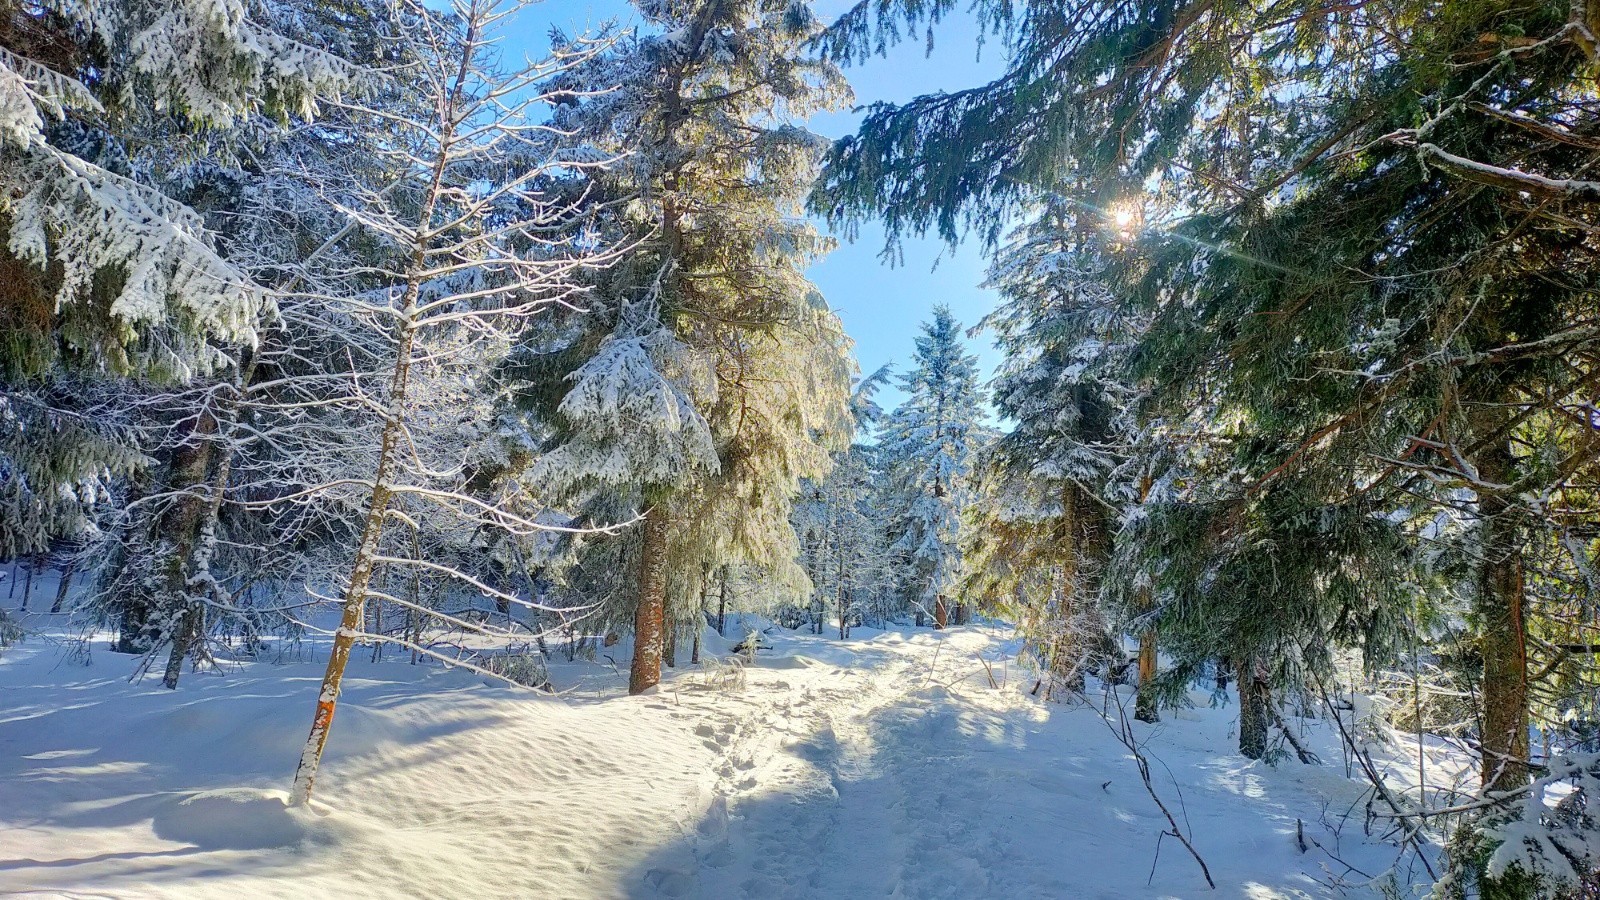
[(788, 661), (235, 819)]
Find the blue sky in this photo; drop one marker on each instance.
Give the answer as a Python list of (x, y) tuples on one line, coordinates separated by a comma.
[(882, 306)]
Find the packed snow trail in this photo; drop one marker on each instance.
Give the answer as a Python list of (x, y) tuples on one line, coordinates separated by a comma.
[(884, 766), (893, 769)]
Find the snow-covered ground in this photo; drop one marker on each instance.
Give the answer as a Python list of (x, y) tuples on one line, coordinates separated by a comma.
[(886, 766)]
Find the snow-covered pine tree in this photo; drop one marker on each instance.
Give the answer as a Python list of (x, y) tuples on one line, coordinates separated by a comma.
[(843, 543), (741, 371), (102, 271), (479, 244), (932, 440), (1075, 74), (1363, 304), (1045, 526), (172, 550)]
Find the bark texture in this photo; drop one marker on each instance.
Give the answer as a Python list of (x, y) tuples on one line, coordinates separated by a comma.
[(1503, 634), (1255, 702), (1145, 708), (650, 618)]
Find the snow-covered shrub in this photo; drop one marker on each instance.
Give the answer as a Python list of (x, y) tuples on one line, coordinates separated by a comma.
[(791, 616), (1370, 718), (1531, 844), (753, 640), (526, 668), (10, 630), (726, 675)]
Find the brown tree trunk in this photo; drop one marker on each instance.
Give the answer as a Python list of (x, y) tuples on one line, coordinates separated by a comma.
[(361, 568), (649, 619), (1255, 701), (345, 637), (1145, 708), (669, 650), (1503, 637), (940, 612), (1063, 653)]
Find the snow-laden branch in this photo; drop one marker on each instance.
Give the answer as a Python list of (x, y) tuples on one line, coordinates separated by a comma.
[(1510, 179)]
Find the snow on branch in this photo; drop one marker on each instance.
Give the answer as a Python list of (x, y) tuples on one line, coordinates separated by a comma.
[(1509, 179)]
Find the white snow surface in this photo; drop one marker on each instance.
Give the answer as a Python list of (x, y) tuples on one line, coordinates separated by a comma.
[(882, 766)]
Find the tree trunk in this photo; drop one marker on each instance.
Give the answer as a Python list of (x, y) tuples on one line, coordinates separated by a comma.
[(840, 602), (840, 591), (194, 527), (1061, 642), (186, 635), (345, 637), (131, 622), (669, 650), (941, 613), (150, 617), (375, 617), (1255, 699), (413, 624), (1145, 708), (63, 588), (694, 651), (1503, 636), (649, 619), (27, 586), (355, 595), (722, 604)]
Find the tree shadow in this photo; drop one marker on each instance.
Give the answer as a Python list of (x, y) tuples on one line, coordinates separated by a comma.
[(939, 798), (89, 761), (66, 862)]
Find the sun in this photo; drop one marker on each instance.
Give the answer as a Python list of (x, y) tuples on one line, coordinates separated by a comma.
[(1125, 217)]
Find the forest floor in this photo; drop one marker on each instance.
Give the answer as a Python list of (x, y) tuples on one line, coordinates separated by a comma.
[(902, 764)]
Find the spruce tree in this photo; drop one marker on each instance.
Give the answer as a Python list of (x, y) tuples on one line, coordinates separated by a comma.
[(1052, 486), (932, 439), (1345, 294), (844, 548), (107, 115), (752, 365)]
